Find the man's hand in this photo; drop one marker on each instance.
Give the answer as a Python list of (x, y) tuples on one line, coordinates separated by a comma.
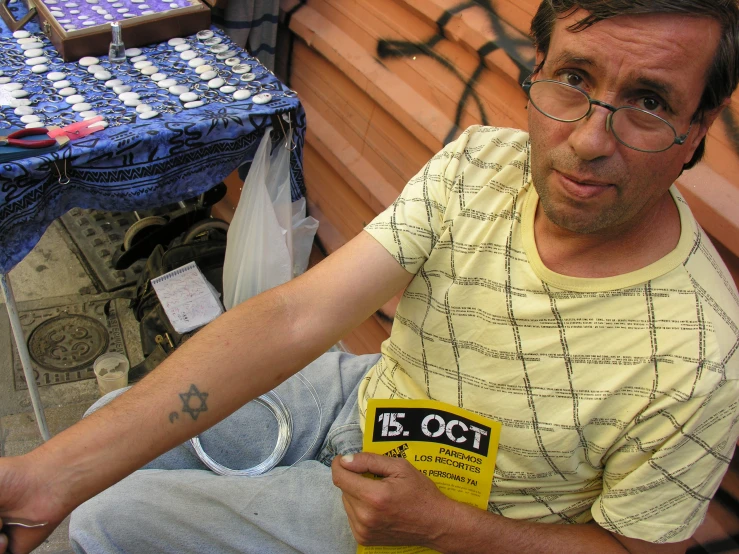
[(22, 495), (404, 507)]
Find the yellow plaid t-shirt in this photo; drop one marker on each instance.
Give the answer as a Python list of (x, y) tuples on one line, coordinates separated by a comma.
[(618, 396)]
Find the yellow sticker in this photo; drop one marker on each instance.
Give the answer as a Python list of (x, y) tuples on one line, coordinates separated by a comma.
[(453, 447)]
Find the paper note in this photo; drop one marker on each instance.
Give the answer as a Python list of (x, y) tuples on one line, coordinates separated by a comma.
[(187, 297), (453, 447)]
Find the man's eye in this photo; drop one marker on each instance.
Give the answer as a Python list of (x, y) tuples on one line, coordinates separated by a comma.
[(651, 104), (571, 79)]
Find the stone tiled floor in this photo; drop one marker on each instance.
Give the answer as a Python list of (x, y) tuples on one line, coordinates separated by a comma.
[(51, 270)]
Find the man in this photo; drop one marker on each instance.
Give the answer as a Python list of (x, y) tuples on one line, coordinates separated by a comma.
[(558, 285)]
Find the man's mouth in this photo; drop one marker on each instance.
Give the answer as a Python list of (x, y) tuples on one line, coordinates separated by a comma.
[(581, 186)]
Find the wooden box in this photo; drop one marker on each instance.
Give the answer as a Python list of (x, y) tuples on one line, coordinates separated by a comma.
[(95, 41)]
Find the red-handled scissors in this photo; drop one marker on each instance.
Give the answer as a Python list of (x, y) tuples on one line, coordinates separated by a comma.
[(13, 139)]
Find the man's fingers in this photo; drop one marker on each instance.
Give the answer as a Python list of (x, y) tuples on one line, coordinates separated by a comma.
[(3, 542), (364, 462)]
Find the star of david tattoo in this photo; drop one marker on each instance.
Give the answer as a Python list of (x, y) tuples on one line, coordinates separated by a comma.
[(187, 408)]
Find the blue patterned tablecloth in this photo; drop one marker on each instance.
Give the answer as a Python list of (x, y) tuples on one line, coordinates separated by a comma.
[(134, 164)]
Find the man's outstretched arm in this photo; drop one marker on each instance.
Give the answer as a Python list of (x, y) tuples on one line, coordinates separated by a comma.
[(244, 353)]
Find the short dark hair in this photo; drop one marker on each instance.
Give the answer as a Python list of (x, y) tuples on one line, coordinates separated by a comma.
[(723, 75)]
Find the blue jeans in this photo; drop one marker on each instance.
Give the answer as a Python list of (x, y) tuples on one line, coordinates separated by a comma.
[(175, 504)]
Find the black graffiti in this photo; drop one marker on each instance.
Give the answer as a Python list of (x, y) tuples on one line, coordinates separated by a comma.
[(511, 43)]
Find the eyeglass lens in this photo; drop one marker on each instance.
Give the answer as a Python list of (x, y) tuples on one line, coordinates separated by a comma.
[(635, 128)]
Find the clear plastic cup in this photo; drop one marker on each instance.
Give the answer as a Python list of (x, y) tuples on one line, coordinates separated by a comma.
[(111, 370)]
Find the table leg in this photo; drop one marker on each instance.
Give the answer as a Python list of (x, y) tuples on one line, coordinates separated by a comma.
[(20, 343)]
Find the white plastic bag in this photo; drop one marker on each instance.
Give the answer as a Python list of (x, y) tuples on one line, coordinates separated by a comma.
[(261, 248)]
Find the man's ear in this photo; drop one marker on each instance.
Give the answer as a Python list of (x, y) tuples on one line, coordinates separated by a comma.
[(705, 124)]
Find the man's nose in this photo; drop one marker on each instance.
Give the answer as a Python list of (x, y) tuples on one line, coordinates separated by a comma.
[(592, 137)]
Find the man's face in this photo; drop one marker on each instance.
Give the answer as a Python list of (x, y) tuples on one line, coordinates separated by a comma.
[(588, 182)]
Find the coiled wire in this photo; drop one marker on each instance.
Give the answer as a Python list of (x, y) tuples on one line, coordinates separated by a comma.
[(284, 436)]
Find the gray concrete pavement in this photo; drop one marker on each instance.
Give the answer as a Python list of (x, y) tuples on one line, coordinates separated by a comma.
[(51, 274)]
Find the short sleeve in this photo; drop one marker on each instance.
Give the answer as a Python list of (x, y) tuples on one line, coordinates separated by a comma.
[(659, 481), (411, 226)]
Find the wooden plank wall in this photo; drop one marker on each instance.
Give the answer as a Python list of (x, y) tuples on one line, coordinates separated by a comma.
[(386, 83)]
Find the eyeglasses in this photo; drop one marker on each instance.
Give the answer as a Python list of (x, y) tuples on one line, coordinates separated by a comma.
[(633, 127)]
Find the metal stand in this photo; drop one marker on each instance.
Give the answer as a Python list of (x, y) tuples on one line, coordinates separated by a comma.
[(20, 343)]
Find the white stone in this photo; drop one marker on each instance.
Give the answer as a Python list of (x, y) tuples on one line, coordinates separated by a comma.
[(248, 77), (23, 110), (182, 47), (12, 86), (227, 89), (188, 55), (142, 64), (88, 61), (89, 23), (4, 80), (37, 60), (21, 34), (107, 17), (178, 89), (232, 61), (30, 118), (103, 75), (34, 125), (81, 107), (120, 89), (225, 55), (242, 94), (196, 62), (158, 77), (166, 83), (19, 102), (132, 52), (62, 84), (262, 98), (203, 68), (128, 95), (56, 76), (208, 75), (68, 91), (94, 68), (188, 97), (27, 39), (88, 114), (216, 83), (148, 12), (34, 45), (141, 108), (138, 58), (176, 41), (149, 114), (113, 83), (33, 52), (195, 104), (102, 124), (131, 102), (204, 34), (40, 68), (74, 99), (149, 70), (19, 93), (122, 10)]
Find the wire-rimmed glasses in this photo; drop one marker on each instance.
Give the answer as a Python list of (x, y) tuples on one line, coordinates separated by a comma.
[(633, 127)]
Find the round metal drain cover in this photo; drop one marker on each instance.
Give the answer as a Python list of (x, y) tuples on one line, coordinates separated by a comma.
[(68, 342)]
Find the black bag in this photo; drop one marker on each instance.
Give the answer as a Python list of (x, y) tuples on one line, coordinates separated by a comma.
[(158, 336)]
